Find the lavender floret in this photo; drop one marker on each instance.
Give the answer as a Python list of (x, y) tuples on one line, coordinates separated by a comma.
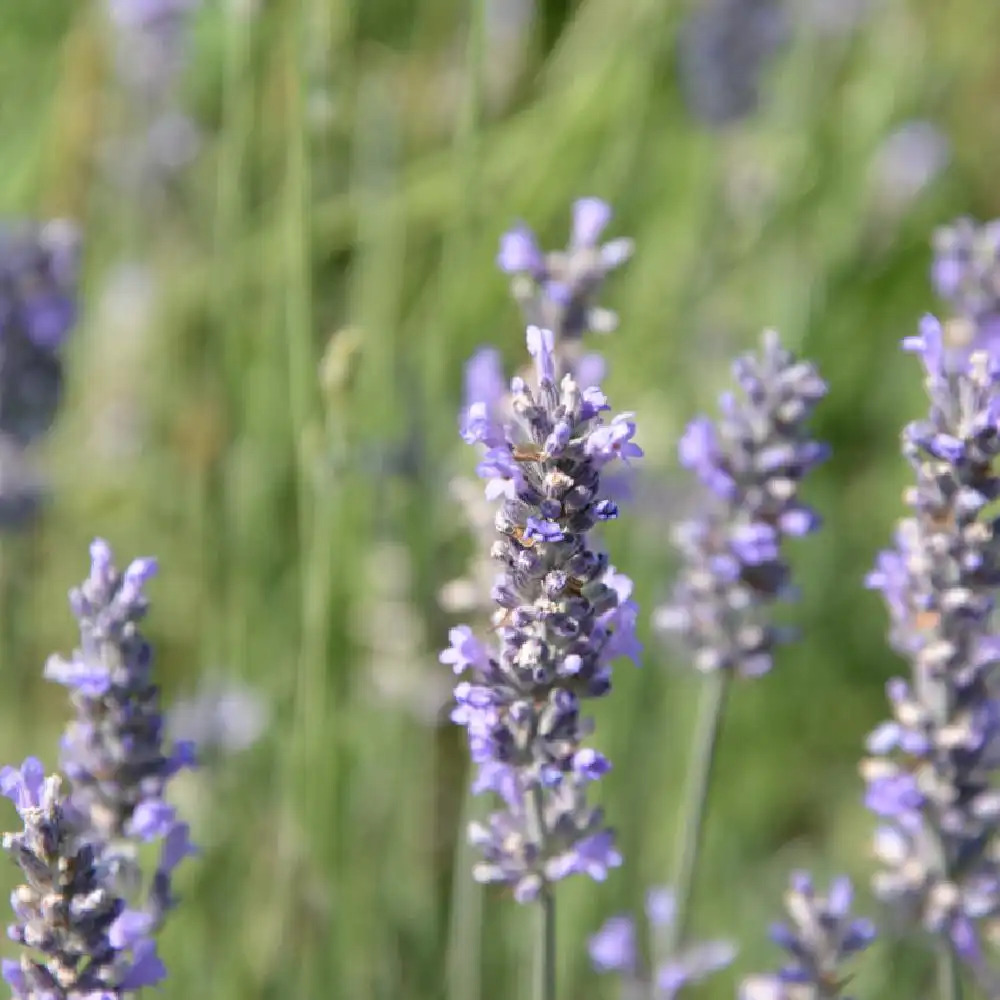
[(750, 463), (81, 940), (932, 770), (614, 948), (556, 289), (822, 936), (562, 616), (966, 275), (114, 752)]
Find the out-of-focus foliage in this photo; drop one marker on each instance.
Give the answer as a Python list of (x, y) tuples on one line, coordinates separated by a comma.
[(263, 392)]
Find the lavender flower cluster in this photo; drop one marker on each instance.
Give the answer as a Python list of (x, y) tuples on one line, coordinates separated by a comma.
[(724, 48), (38, 277), (966, 275), (821, 938), (931, 773), (84, 916), (563, 616), (557, 290), (614, 948), (751, 464)]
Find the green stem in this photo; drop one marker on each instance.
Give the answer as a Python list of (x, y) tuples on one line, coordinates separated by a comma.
[(949, 973), (545, 939), (699, 779), (545, 987)]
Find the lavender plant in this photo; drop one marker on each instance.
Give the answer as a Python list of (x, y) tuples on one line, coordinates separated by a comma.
[(614, 948), (556, 290), (821, 938), (81, 941), (751, 464), (932, 770), (38, 276), (562, 617), (80, 906), (966, 275), (724, 47), (113, 752)]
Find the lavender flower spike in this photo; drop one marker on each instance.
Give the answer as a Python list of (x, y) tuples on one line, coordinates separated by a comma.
[(751, 464), (613, 949), (39, 267), (822, 937), (562, 616), (113, 752), (556, 289), (81, 942), (966, 275), (932, 771)]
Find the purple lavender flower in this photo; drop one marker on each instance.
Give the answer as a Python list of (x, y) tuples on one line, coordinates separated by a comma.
[(151, 42), (80, 939), (113, 752), (931, 774), (822, 937), (751, 464), (38, 279), (966, 275), (561, 618), (725, 46), (614, 948), (224, 717), (556, 289)]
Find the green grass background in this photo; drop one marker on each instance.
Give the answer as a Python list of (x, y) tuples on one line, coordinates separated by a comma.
[(284, 429)]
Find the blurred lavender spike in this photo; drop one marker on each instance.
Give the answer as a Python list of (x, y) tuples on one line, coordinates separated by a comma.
[(80, 939), (113, 752), (907, 162), (821, 937), (150, 39), (966, 275), (563, 615), (614, 948), (932, 771), (556, 289), (39, 266), (225, 717), (751, 464), (725, 46)]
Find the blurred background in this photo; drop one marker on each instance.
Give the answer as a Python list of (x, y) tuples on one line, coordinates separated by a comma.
[(286, 220)]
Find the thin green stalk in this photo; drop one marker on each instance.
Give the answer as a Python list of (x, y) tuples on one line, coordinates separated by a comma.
[(224, 513), (706, 735), (949, 973), (545, 939), (545, 987)]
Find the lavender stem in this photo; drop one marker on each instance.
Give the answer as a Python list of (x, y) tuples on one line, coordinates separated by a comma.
[(948, 973), (546, 986), (706, 735)]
